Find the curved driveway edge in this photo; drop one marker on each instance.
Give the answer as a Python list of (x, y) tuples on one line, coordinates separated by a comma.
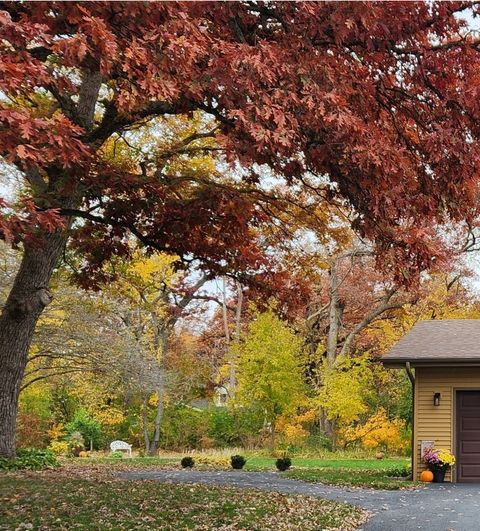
[(437, 507)]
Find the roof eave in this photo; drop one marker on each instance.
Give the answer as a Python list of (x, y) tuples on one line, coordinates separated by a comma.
[(398, 363)]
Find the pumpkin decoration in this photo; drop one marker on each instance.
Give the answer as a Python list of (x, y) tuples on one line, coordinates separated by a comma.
[(83, 454), (426, 476)]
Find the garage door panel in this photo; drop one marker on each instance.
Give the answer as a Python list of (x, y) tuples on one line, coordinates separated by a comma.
[(468, 436), (470, 447), (471, 400), (470, 423)]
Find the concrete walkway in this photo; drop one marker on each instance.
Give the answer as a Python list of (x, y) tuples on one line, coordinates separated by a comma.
[(437, 507)]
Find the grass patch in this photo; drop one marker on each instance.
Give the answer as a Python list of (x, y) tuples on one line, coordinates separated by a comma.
[(355, 477), (262, 463), (53, 501)]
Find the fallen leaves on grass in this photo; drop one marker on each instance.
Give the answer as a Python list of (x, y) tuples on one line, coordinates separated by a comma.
[(50, 500)]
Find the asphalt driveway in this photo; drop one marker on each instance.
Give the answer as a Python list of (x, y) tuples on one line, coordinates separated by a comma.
[(436, 507)]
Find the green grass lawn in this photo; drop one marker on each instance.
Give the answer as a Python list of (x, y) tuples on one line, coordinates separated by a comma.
[(369, 473), (50, 500), (261, 463), (355, 477)]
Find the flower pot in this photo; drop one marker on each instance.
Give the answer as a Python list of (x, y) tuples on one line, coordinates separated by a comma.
[(438, 473)]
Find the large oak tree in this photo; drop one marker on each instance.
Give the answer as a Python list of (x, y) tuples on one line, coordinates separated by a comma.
[(370, 105)]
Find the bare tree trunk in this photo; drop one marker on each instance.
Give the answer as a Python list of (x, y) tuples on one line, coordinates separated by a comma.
[(26, 301), (334, 316), (383, 306), (146, 436), (272, 437), (233, 362), (224, 312), (161, 345), (154, 445), (232, 378), (332, 427)]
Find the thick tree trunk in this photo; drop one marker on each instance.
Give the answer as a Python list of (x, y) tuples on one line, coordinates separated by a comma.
[(26, 301)]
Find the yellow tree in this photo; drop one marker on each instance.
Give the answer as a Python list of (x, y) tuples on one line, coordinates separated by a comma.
[(269, 373)]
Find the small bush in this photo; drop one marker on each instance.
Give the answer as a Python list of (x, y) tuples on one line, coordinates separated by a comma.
[(88, 427), (283, 463), (32, 426), (116, 455), (60, 447), (76, 442), (206, 442), (30, 459), (238, 461), (187, 462), (399, 472)]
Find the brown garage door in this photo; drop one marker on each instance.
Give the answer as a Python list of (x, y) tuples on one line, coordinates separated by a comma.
[(468, 436)]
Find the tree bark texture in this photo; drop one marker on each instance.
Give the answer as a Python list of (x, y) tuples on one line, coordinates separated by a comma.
[(26, 301)]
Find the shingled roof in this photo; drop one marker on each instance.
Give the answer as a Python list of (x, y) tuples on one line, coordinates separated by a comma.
[(449, 342)]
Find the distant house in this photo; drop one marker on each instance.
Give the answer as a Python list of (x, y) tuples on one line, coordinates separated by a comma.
[(445, 359), (219, 399), (221, 396)]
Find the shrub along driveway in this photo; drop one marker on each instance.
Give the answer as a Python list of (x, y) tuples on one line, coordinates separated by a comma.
[(436, 507)]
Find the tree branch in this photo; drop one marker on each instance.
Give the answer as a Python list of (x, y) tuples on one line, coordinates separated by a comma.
[(384, 306)]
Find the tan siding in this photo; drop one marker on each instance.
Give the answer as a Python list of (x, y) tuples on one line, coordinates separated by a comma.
[(437, 423)]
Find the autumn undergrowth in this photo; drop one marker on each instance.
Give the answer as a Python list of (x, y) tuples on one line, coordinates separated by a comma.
[(53, 501)]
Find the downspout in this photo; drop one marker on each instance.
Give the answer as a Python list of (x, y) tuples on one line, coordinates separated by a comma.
[(411, 377)]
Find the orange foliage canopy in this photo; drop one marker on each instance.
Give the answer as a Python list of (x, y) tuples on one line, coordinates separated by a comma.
[(371, 105)]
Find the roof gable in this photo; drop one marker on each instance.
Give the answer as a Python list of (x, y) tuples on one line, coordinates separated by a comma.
[(438, 342)]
